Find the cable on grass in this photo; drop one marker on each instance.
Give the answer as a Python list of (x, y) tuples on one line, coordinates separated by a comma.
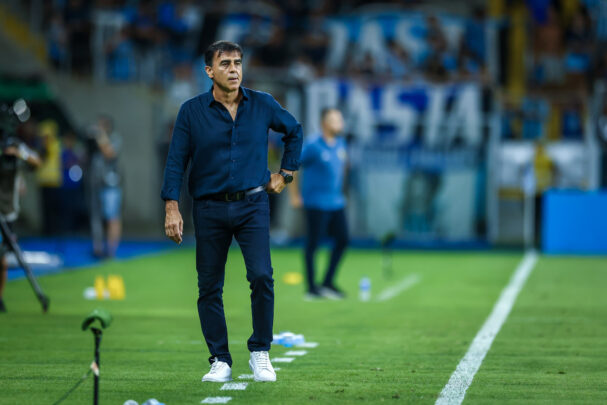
[(68, 393)]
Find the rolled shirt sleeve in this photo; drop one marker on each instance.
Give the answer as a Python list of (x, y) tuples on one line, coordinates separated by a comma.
[(178, 157)]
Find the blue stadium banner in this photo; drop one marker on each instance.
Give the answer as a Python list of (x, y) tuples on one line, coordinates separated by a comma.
[(416, 155)]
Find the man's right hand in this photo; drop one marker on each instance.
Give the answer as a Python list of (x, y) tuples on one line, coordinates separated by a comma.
[(173, 223)]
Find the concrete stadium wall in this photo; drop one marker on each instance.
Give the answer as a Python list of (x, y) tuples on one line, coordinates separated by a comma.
[(134, 109)]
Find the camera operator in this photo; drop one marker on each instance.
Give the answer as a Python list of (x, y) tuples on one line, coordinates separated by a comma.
[(106, 193), (14, 155)]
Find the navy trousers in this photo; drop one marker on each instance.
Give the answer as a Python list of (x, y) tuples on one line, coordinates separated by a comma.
[(215, 223), (320, 223)]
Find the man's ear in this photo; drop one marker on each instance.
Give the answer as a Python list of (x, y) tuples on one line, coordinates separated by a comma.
[(209, 71)]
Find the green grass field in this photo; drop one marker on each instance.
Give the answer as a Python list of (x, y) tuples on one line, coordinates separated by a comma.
[(552, 348)]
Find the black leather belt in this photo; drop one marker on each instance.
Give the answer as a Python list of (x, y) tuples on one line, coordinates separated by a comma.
[(235, 196)]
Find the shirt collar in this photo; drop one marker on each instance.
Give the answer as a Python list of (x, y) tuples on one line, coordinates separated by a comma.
[(210, 99), (324, 141)]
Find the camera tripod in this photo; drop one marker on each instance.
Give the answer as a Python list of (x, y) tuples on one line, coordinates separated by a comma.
[(10, 239)]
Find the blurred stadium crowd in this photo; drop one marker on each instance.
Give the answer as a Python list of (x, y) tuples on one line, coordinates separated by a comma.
[(151, 40), (537, 60)]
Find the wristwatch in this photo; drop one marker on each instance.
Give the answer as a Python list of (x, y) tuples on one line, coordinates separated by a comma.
[(288, 177)]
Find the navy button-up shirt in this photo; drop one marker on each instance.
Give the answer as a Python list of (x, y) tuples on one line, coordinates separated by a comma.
[(228, 155)]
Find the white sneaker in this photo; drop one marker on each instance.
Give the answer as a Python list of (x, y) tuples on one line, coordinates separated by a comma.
[(220, 372), (332, 293), (261, 367)]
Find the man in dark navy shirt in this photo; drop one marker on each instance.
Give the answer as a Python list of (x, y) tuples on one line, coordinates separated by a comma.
[(223, 134)]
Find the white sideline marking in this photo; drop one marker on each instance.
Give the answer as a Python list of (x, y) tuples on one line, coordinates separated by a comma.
[(296, 353), (393, 291), (455, 390), (282, 359), (308, 345), (245, 377), (234, 386), (276, 368), (216, 400)]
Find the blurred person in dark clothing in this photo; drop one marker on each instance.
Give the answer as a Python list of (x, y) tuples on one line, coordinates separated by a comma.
[(579, 32), (439, 62), (149, 41), (73, 208), (77, 17), (548, 66), (105, 188), (579, 42), (315, 43), (471, 58), (213, 15), (57, 41), (143, 26), (277, 45), (474, 35)]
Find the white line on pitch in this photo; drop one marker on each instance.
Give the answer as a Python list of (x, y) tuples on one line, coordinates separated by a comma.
[(453, 393), (216, 400), (296, 353), (234, 386), (308, 345), (282, 359), (246, 377), (393, 291)]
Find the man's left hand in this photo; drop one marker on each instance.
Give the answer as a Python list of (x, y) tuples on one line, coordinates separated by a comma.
[(276, 184)]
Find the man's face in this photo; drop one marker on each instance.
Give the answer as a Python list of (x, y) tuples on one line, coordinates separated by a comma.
[(226, 71), (334, 122)]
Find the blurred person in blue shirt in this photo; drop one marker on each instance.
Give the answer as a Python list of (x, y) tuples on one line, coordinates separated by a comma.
[(323, 162), (121, 57), (106, 188)]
